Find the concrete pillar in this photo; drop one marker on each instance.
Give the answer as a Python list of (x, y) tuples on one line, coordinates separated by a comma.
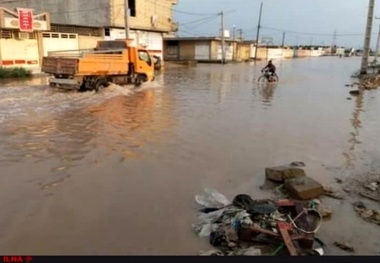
[(367, 39)]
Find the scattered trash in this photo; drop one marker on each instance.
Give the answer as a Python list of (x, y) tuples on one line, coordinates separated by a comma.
[(369, 215), (297, 164), (213, 252), (355, 92), (344, 246), (368, 196), (212, 199), (339, 181), (370, 82), (330, 192), (324, 210), (374, 186), (254, 207), (241, 228), (249, 252)]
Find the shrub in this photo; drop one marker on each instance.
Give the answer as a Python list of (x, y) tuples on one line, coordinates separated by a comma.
[(14, 73)]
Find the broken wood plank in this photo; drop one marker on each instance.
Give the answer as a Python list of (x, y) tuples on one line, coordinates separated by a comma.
[(283, 228)]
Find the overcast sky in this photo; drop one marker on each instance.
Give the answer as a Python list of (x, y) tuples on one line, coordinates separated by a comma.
[(304, 21)]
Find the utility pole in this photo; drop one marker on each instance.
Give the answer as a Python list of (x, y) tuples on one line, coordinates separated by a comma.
[(367, 39), (223, 39), (241, 34), (233, 42), (258, 31), (283, 39), (333, 43), (377, 45), (334, 38), (126, 18)]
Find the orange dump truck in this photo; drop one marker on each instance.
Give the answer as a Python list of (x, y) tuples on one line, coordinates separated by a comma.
[(112, 61)]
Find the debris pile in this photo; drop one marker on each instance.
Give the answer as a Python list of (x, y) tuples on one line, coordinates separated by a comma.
[(367, 214), (367, 186), (285, 226), (251, 227), (370, 82)]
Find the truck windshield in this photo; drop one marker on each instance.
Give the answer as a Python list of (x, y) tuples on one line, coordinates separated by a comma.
[(144, 56)]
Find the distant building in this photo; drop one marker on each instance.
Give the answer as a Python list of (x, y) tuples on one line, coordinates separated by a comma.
[(206, 49)]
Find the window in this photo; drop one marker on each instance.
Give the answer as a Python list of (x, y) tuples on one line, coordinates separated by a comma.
[(6, 34), (144, 56), (132, 7), (107, 32)]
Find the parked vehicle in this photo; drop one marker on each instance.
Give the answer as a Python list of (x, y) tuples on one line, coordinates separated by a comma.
[(113, 61), (157, 62)]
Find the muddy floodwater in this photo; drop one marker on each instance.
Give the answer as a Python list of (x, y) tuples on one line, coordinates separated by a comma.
[(115, 173)]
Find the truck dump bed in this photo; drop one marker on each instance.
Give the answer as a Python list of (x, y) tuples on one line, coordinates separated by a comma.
[(60, 65), (86, 63)]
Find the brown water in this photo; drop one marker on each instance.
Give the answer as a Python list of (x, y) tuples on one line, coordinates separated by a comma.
[(115, 173)]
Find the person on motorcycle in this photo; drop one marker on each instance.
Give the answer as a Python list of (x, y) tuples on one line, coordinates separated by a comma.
[(271, 68)]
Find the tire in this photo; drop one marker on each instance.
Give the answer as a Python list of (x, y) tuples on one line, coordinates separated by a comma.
[(101, 84), (139, 80), (262, 79), (275, 78)]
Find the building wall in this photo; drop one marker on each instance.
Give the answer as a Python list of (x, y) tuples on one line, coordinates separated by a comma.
[(187, 50), (88, 42), (19, 52), (216, 50), (275, 53), (288, 53), (304, 53), (153, 41), (262, 53), (243, 52), (215, 46), (171, 50), (52, 41), (104, 13), (69, 12), (155, 15)]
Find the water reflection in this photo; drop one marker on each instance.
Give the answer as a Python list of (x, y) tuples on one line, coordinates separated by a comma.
[(356, 123), (121, 124), (40, 139), (126, 123), (266, 91), (33, 81)]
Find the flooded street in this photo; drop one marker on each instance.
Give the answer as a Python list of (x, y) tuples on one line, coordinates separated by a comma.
[(116, 173)]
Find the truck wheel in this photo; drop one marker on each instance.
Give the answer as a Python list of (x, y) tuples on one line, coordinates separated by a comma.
[(139, 80), (101, 84)]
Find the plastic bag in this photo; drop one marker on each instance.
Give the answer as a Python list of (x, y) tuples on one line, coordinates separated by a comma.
[(205, 230), (212, 199), (242, 219)]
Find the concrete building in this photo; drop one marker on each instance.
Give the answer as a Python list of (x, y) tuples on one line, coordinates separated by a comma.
[(79, 24), (22, 48), (205, 49), (208, 49)]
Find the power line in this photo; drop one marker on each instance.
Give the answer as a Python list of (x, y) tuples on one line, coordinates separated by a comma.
[(200, 20), (311, 34)]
